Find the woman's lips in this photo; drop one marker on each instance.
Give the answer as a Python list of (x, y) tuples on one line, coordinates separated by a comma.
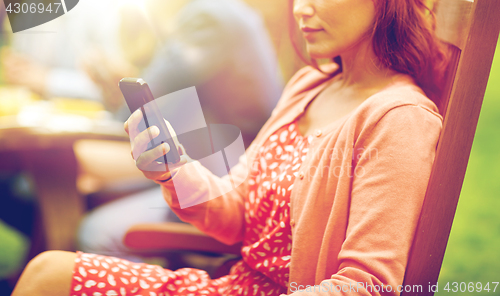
[(308, 31)]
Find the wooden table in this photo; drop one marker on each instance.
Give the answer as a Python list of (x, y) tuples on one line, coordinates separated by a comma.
[(47, 155)]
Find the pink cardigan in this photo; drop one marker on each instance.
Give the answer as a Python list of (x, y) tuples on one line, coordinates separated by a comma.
[(358, 195)]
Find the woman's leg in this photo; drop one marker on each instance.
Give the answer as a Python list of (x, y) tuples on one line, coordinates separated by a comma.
[(48, 274)]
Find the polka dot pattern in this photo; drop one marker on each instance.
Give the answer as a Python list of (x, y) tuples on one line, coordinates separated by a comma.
[(264, 268), (268, 242)]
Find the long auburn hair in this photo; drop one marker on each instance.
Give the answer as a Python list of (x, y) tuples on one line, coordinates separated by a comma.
[(404, 40)]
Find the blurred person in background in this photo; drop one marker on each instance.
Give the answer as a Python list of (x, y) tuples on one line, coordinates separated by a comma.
[(221, 47), (47, 58)]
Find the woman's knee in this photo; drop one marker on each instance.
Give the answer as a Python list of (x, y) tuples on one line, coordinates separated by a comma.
[(49, 273), (49, 261)]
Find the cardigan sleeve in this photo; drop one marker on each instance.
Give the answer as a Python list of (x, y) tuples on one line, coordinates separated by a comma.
[(221, 214), (390, 176)]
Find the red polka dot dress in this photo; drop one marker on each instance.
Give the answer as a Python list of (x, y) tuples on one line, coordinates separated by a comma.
[(264, 267)]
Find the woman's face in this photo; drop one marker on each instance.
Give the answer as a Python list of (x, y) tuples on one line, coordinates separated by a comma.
[(334, 27)]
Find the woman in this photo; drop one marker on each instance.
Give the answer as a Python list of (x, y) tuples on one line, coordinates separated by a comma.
[(338, 173)]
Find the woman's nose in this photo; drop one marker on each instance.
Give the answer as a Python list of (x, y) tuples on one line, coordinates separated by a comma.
[(302, 8)]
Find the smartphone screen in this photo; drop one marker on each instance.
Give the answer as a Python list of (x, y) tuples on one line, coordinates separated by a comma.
[(138, 96)]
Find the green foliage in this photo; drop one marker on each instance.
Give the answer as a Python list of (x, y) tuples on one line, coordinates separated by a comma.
[(473, 252), (13, 250)]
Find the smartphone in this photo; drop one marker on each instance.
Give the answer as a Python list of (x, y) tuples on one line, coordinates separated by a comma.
[(138, 96)]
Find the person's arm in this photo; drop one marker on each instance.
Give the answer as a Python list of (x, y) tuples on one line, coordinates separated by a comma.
[(222, 215), (391, 173), (218, 202)]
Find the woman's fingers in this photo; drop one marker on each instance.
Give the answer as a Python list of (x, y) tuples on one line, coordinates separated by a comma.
[(149, 157), (147, 161), (160, 172), (132, 124), (184, 159), (141, 141)]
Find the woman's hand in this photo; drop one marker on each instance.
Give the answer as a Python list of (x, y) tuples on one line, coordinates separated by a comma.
[(145, 160)]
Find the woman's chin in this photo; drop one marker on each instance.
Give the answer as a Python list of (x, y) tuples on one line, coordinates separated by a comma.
[(320, 53)]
